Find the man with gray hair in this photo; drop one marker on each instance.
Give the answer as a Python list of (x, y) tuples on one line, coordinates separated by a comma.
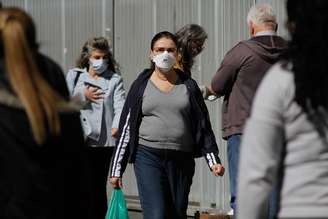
[(238, 77)]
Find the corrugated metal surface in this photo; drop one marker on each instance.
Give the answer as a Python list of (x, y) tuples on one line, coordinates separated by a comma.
[(133, 31), (82, 21), (280, 9), (64, 25), (47, 16), (17, 3)]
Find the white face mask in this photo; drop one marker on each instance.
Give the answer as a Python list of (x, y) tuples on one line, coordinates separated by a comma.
[(164, 61), (99, 65)]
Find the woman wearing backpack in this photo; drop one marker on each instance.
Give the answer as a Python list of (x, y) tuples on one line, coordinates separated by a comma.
[(97, 84)]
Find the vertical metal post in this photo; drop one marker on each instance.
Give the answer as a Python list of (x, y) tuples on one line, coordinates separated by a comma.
[(26, 5), (63, 26), (113, 27), (103, 18), (154, 16), (199, 18)]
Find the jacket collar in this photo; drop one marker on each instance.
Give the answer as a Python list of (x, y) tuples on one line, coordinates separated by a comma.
[(146, 73)]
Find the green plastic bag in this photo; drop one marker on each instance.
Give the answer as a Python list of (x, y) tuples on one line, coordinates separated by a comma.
[(117, 206)]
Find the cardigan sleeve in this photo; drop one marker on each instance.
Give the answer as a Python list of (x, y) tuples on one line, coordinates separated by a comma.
[(121, 153)]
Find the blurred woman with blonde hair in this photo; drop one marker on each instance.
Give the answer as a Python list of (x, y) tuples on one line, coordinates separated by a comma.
[(42, 151)]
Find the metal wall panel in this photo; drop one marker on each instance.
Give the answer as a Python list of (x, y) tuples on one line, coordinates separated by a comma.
[(83, 20), (280, 8), (16, 3), (133, 32), (164, 18), (187, 11), (47, 18), (46, 15), (64, 25)]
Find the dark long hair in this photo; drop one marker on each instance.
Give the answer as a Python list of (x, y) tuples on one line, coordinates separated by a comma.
[(158, 36), (100, 43), (308, 53), (186, 37)]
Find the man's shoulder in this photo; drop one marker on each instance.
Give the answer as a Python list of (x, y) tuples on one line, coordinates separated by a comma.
[(238, 46), (238, 52)]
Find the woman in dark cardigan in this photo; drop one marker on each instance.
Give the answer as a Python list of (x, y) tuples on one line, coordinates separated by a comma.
[(164, 126)]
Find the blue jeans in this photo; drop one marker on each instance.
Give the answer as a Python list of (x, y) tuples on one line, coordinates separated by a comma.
[(234, 142), (233, 160), (164, 178), (273, 205)]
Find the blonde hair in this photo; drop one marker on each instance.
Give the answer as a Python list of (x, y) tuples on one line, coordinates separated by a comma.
[(19, 49)]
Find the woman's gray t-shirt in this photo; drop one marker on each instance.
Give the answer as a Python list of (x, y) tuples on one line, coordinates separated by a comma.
[(166, 118)]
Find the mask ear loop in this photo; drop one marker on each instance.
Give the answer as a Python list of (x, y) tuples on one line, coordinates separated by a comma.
[(151, 55)]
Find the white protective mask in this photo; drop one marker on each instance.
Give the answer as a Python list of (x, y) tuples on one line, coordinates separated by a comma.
[(164, 61), (99, 65)]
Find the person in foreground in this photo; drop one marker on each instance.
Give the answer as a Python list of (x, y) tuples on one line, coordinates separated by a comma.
[(42, 152), (164, 125), (285, 139)]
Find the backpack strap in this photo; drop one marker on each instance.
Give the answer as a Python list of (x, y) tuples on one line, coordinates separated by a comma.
[(77, 76)]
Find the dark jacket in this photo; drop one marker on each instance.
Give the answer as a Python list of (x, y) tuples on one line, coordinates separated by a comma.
[(239, 75), (204, 139), (48, 181)]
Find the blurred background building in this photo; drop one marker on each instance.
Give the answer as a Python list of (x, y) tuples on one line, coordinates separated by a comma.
[(64, 25)]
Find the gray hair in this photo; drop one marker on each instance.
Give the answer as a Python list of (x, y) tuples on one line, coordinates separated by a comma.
[(261, 14), (100, 43)]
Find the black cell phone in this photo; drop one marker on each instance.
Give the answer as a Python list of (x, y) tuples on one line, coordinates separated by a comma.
[(91, 85)]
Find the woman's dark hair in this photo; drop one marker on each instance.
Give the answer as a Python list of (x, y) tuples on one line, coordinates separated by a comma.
[(160, 35), (191, 38), (308, 52), (100, 43)]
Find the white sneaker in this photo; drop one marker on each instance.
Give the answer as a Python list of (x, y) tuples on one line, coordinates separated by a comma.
[(211, 97), (230, 213)]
